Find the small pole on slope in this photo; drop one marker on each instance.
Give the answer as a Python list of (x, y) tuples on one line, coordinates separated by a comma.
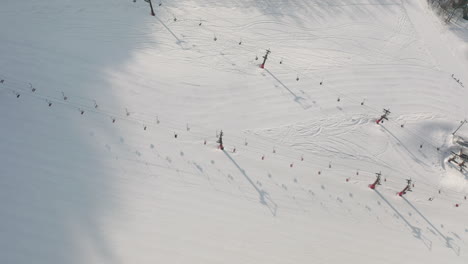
[(265, 59), (220, 141), (462, 123), (377, 181), (407, 188), (151, 6), (384, 116)]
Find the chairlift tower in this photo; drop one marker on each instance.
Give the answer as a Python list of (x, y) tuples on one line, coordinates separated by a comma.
[(384, 116), (377, 181), (151, 6), (265, 57), (220, 141), (407, 188)]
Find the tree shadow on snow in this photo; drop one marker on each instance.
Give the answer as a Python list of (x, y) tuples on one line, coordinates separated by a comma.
[(318, 10), (57, 191)]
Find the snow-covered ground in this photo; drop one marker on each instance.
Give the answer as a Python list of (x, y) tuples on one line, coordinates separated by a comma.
[(126, 169)]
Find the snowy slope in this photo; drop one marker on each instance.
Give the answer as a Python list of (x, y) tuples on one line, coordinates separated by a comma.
[(101, 178)]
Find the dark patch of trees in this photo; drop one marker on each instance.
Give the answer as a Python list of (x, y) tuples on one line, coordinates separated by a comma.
[(450, 9)]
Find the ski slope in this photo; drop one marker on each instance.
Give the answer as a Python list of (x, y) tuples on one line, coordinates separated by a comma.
[(113, 157)]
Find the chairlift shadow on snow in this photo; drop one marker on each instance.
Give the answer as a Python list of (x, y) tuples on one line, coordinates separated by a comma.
[(403, 145), (178, 41), (415, 230), (265, 198), (448, 240), (298, 99)]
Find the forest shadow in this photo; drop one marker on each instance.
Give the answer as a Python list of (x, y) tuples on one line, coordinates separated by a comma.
[(56, 185)]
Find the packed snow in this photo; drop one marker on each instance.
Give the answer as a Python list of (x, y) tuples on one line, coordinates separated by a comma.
[(111, 117)]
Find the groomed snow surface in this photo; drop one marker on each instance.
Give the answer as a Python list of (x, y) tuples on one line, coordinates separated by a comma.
[(109, 121)]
